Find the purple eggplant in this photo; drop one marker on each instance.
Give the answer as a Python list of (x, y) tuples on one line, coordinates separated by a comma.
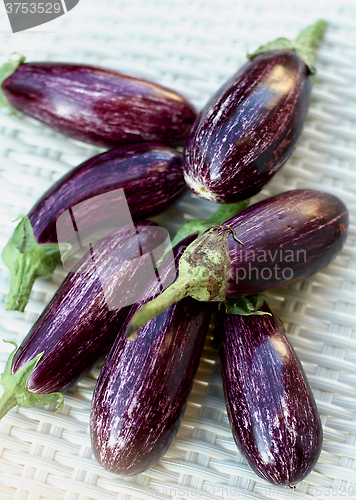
[(150, 175), (251, 126), (286, 238), (271, 408), (142, 390), (96, 105), (81, 322), (143, 179), (271, 244)]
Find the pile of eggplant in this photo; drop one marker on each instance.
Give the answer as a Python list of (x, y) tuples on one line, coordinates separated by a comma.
[(151, 339)]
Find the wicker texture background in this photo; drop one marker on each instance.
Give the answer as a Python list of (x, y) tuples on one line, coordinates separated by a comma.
[(192, 46)]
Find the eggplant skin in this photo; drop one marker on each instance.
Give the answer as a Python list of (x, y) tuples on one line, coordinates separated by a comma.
[(286, 238), (143, 388), (150, 175), (271, 408), (99, 106), (249, 128), (77, 329)]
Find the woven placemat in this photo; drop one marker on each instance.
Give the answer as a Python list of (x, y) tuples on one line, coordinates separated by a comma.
[(192, 46)]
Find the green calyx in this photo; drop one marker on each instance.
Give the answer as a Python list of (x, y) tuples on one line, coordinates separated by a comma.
[(248, 305), (15, 387), (204, 269), (199, 226), (305, 44), (27, 260), (5, 71)]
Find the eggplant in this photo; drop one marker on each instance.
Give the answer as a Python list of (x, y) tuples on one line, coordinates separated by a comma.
[(150, 175), (80, 324), (143, 388), (96, 105), (271, 408), (251, 126), (279, 241), (293, 236), (140, 180)]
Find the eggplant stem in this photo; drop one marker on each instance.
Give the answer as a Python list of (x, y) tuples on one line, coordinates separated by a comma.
[(27, 260), (177, 291), (184, 286), (304, 44), (204, 269), (311, 35), (15, 387), (6, 70)]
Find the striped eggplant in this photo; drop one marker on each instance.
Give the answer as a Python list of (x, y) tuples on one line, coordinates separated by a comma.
[(81, 322), (142, 390), (271, 244), (271, 408), (142, 179), (95, 105), (93, 303), (251, 126)]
